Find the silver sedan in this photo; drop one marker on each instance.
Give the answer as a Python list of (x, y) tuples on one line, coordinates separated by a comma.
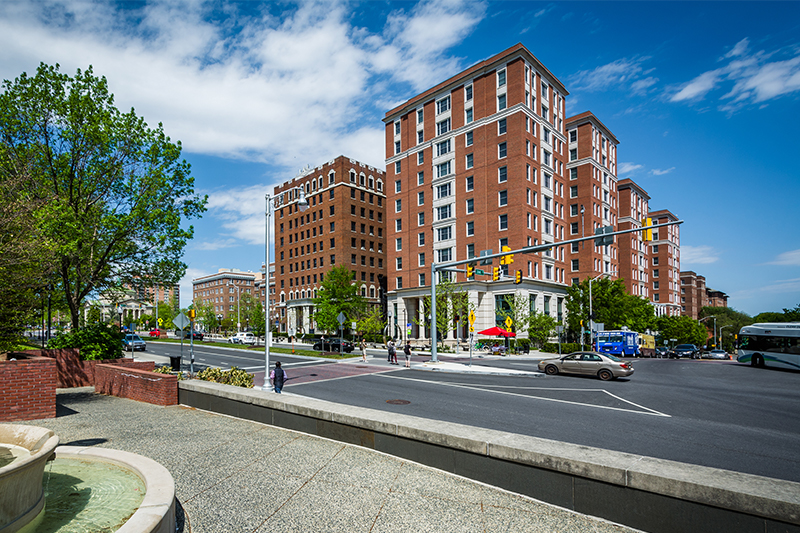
[(604, 366)]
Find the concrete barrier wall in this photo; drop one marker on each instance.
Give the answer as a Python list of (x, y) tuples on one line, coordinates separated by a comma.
[(641, 492)]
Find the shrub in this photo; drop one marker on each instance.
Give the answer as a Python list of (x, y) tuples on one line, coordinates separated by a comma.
[(98, 341), (168, 370), (566, 347), (235, 376)]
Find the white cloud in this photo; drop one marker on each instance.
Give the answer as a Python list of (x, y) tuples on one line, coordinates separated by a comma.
[(702, 255), (660, 172), (612, 75), (756, 77), (238, 82), (241, 214), (790, 258), (627, 168)]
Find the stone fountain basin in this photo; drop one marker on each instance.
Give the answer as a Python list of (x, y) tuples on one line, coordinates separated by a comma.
[(156, 513), (21, 493)]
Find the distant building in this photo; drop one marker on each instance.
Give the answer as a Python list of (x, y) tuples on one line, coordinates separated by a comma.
[(163, 293), (223, 290), (665, 262), (634, 252), (695, 295), (345, 224)]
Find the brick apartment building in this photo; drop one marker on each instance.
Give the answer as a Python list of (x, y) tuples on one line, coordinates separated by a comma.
[(343, 225), (695, 295), (476, 163), (156, 292), (634, 252), (592, 182), (665, 264), (224, 290)]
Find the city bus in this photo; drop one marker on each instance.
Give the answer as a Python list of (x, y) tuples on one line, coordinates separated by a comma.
[(775, 345)]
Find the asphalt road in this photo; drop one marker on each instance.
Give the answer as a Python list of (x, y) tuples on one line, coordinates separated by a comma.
[(711, 413)]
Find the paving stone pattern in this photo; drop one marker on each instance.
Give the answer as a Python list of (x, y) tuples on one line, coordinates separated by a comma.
[(233, 475)]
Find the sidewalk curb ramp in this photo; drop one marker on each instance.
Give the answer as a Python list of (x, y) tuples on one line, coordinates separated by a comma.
[(646, 493)]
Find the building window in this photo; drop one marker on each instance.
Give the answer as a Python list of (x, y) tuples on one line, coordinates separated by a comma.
[(442, 148), (443, 212), (468, 138), (396, 151), (398, 205), (501, 102), (420, 178), (445, 255), (421, 259), (575, 264), (420, 116), (469, 117), (443, 169), (421, 219), (420, 137), (503, 198), (399, 282), (468, 93), (470, 206), (444, 234), (573, 136), (470, 229), (420, 158), (421, 239), (420, 197), (470, 183), (397, 167), (501, 126), (443, 191), (501, 78), (398, 186), (443, 105), (443, 127), (502, 150), (398, 244), (399, 263), (573, 154), (573, 191), (398, 224), (470, 161), (422, 280), (503, 222), (573, 228), (573, 173), (502, 174)]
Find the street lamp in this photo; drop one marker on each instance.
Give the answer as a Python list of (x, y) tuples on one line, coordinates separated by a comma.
[(720, 331), (238, 307), (271, 203), (715, 327)]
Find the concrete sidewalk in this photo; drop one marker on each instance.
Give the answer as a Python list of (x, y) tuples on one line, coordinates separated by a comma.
[(235, 475)]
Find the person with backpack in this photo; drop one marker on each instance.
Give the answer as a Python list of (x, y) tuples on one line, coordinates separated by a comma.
[(407, 352), (392, 353), (277, 377)]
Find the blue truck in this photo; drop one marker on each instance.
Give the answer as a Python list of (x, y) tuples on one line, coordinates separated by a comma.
[(619, 343)]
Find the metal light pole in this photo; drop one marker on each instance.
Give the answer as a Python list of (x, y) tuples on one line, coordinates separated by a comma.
[(715, 327), (271, 202)]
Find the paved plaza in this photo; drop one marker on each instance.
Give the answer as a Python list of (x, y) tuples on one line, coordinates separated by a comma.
[(233, 475)]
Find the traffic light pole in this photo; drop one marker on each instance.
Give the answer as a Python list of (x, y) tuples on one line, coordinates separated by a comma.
[(437, 267)]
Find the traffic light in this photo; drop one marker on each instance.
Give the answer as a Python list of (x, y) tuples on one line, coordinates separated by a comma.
[(508, 258), (192, 313), (496, 274), (470, 272), (518, 277), (647, 233)]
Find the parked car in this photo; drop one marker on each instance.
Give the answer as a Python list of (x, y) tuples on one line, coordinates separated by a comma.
[(684, 350), (183, 334), (332, 345), (243, 337), (662, 351), (604, 366), (157, 332), (717, 354), (132, 342)]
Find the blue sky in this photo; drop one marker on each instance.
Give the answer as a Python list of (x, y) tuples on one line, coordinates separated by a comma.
[(702, 96)]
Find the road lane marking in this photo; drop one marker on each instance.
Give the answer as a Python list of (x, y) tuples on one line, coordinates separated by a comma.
[(340, 377), (648, 411)]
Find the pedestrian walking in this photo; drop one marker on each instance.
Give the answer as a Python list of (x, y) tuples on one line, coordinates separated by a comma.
[(392, 353), (363, 350), (407, 352), (277, 377)]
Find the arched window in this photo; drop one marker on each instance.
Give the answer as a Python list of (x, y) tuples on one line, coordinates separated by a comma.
[(331, 177), (371, 182), (352, 176), (362, 179), (380, 185)]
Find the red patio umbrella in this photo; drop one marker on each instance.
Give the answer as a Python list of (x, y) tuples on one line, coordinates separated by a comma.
[(497, 331)]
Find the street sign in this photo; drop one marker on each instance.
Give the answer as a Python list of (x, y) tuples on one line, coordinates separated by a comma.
[(408, 328), (509, 323), (341, 318), (181, 321), (471, 317), (160, 321), (479, 271)]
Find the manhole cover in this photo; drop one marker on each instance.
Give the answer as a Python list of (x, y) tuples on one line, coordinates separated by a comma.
[(398, 402), (361, 366), (312, 374)]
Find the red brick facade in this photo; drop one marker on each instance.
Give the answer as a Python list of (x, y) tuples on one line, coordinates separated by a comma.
[(665, 264), (72, 372), (137, 381), (28, 388), (345, 224), (634, 253)]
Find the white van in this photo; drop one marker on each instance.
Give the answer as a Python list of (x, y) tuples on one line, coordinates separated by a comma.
[(243, 337)]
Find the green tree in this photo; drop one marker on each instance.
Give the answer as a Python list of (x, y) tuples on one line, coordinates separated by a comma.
[(611, 305), (370, 322), (94, 316), (452, 307), (337, 294), (113, 193), (729, 322), (253, 313), (208, 317), (684, 329), (540, 328)]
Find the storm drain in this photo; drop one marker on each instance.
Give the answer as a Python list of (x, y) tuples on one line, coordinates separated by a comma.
[(398, 402)]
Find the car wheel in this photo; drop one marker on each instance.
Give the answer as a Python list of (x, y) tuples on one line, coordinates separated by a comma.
[(605, 375), (551, 370)]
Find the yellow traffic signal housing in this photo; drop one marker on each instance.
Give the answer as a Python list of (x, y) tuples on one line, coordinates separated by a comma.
[(496, 274), (470, 272), (508, 258), (192, 313), (518, 277), (647, 233)]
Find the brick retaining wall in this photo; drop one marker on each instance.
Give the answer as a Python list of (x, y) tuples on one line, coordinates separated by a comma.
[(136, 381), (72, 372), (28, 389)]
